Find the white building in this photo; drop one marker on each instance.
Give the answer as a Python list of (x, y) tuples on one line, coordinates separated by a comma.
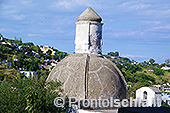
[(165, 68), (4, 43), (150, 70), (152, 94), (53, 64), (166, 89), (29, 73), (158, 86), (129, 86)]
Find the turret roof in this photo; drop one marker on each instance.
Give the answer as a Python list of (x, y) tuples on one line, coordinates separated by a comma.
[(89, 15)]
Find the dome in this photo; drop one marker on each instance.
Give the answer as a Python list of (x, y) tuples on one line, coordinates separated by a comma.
[(89, 15), (89, 76)]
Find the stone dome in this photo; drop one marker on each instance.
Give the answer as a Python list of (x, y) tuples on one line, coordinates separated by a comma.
[(89, 76)]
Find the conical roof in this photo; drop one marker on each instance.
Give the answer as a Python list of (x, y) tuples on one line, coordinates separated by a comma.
[(89, 15)]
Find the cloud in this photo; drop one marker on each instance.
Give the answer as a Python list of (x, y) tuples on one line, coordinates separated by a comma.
[(137, 23), (136, 5), (18, 16), (8, 30), (140, 6), (161, 30), (35, 35), (65, 4), (13, 12), (124, 33), (150, 22), (70, 4), (2, 30), (1, 3), (27, 2), (161, 13), (135, 56), (167, 27), (147, 8)]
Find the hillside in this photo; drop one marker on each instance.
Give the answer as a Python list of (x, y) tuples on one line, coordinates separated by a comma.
[(26, 57), (16, 56), (140, 74)]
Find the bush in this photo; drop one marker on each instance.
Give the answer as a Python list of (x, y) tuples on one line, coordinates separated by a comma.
[(29, 95), (158, 71), (164, 104)]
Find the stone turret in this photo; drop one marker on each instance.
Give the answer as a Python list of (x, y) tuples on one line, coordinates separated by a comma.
[(86, 74), (88, 33)]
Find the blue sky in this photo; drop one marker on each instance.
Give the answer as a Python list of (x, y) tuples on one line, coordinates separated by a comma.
[(138, 29)]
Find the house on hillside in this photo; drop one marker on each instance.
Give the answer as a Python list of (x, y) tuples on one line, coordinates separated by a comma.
[(135, 63), (53, 64), (115, 57), (165, 68), (45, 48), (129, 86), (4, 43), (166, 89), (158, 86), (29, 73), (150, 70), (152, 94)]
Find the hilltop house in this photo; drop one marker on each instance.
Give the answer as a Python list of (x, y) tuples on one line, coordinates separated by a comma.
[(158, 86), (29, 73), (150, 70), (165, 68), (46, 48), (166, 89), (152, 94)]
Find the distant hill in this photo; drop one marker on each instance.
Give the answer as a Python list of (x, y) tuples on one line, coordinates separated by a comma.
[(140, 74), (16, 56)]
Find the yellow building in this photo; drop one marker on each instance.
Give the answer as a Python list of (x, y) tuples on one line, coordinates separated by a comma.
[(46, 48)]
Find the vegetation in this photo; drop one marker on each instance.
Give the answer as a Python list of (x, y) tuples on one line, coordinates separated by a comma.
[(29, 95), (164, 104), (113, 53), (19, 93), (140, 74), (26, 55)]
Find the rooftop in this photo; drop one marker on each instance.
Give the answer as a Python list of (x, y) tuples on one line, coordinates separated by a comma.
[(155, 89), (89, 15)]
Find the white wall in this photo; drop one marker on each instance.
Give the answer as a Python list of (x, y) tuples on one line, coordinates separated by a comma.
[(88, 32), (151, 96)]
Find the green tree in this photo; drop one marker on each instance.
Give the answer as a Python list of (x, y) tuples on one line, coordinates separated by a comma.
[(32, 95), (61, 55), (158, 71), (152, 61), (116, 53), (49, 52), (167, 61), (4, 49)]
